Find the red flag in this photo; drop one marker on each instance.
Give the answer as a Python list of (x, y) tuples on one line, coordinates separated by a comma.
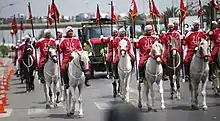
[(183, 9), (133, 10), (150, 8), (98, 16), (14, 26), (200, 11), (113, 15), (54, 12), (214, 4), (49, 18), (22, 26), (155, 10)]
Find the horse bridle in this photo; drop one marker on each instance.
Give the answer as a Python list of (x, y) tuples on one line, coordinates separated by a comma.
[(80, 68)]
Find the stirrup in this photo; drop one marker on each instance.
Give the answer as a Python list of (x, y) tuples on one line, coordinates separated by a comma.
[(213, 76)]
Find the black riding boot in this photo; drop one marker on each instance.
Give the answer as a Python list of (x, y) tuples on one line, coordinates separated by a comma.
[(186, 66), (115, 67), (141, 74), (87, 75), (65, 79), (109, 67), (212, 75), (41, 75)]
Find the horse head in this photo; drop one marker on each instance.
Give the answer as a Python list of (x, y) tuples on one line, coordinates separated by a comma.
[(52, 53), (123, 47), (173, 46), (203, 50), (156, 51), (79, 58)]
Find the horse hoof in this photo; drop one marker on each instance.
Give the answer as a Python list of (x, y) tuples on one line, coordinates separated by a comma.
[(194, 107), (47, 106), (149, 109), (57, 101), (171, 97), (68, 115), (163, 107), (81, 115), (205, 108), (154, 110), (139, 105), (55, 105), (178, 98)]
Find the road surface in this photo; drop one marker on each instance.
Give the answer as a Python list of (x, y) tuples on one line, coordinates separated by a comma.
[(98, 98)]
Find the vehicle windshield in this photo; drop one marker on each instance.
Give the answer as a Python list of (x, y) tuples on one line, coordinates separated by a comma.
[(94, 32)]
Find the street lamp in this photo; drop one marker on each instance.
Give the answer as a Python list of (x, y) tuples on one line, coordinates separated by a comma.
[(5, 6)]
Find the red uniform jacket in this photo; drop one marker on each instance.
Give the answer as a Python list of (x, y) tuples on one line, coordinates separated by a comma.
[(191, 41), (216, 40), (116, 48), (67, 46), (43, 44)]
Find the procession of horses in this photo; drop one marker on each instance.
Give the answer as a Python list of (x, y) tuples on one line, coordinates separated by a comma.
[(63, 65)]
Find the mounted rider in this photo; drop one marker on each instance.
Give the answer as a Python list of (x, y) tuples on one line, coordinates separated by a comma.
[(144, 45), (109, 42), (122, 36), (22, 48), (43, 44), (69, 44), (191, 41), (216, 44), (176, 26), (171, 33)]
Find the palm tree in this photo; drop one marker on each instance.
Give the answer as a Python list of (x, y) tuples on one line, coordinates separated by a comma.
[(169, 12)]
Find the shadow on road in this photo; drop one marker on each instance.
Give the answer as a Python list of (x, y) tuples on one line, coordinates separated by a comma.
[(19, 92), (62, 116), (182, 108)]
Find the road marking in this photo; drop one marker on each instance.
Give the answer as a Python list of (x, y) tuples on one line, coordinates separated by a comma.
[(36, 111), (7, 114), (102, 105)]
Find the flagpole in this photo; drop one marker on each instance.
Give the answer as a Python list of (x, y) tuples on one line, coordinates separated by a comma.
[(48, 17), (55, 22), (100, 26)]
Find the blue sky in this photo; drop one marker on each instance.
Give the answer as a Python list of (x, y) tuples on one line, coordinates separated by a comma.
[(72, 7)]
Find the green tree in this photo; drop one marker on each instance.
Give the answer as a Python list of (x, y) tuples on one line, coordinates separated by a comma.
[(169, 12), (4, 50)]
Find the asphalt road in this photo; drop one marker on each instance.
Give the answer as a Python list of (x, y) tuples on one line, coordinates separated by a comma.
[(98, 98)]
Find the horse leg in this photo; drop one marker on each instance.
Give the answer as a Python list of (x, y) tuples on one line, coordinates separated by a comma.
[(32, 83), (178, 87), (122, 85), (152, 96), (195, 94), (58, 90), (73, 100), (55, 94), (204, 94), (127, 82), (46, 96), (161, 94), (68, 101), (80, 87), (114, 84), (172, 87), (146, 85), (192, 93)]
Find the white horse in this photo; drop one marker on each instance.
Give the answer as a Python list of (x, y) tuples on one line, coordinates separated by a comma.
[(154, 73), (76, 80), (124, 69), (199, 71), (51, 87)]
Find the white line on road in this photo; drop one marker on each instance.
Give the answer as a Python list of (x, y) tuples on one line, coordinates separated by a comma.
[(7, 114), (36, 111)]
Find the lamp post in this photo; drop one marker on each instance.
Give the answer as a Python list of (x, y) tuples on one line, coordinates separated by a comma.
[(7, 5)]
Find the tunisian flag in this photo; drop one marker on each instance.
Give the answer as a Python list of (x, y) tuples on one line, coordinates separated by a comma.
[(98, 16), (133, 10), (155, 11), (200, 11), (183, 9), (215, 5), (14, 26), (113, 14), (54, 12), (49, 18)]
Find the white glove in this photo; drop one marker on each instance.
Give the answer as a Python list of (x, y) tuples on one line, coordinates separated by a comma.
[(181, 37), (16, 47), (101, 36), (210, 33), (57, 42), (196, 48), (111, 38), (34, 40)]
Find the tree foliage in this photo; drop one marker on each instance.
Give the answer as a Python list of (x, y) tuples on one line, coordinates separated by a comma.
[(4, 50)]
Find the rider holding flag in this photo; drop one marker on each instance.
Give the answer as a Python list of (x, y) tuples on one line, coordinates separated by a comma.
[(191, 41), (43, 44), (66, 47), (122, 35)]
